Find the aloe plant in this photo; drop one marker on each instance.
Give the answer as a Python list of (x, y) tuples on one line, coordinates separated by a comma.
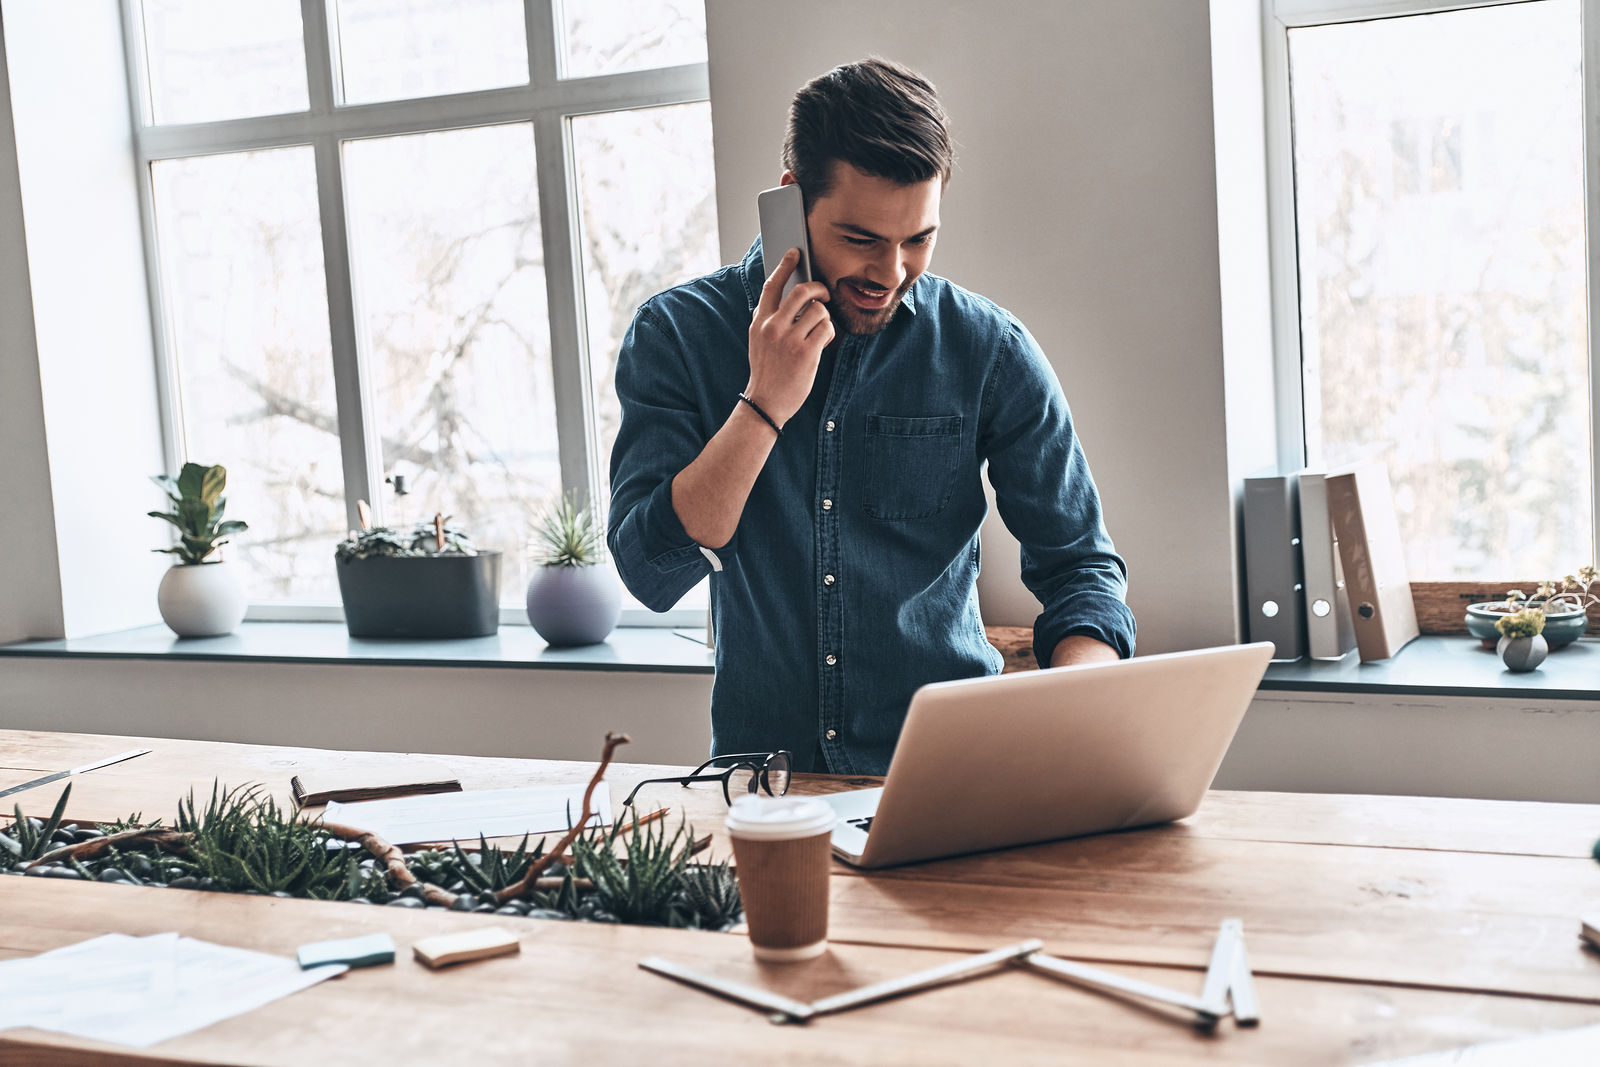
[(244, 841), (568, 535), (197, 507), (643, 889), (27, 842)]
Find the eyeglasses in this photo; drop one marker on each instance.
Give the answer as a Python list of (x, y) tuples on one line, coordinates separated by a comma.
[(751, 770)]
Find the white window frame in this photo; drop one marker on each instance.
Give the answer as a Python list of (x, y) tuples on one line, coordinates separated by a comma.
[(1280, 16), (548, 101)]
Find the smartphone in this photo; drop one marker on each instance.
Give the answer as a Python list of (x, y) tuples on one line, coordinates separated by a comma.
[(783, 226)]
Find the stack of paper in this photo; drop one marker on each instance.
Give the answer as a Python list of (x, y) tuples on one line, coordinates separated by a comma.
[(464, 816), (140, 990)]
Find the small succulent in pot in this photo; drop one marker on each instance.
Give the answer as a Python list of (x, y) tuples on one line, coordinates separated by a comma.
[(573, 598), (1522, 646), (433, 538), (426, 581), (198, 596)]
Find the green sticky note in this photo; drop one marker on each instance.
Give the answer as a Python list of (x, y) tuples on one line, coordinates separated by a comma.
[(354, 952)]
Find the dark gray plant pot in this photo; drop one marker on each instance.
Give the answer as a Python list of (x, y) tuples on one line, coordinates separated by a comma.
[(421, 596), (1522, 653), (1559, 630), (574, 605)]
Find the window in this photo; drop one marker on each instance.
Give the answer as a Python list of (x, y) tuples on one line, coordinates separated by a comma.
[(1432, 273), (405, 238)]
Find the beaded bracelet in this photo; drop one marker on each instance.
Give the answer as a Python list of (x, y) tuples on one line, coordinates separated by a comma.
[(764, 416)]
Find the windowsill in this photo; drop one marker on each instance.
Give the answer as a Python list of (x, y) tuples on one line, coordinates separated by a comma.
[(1446, 665), (635, 648)]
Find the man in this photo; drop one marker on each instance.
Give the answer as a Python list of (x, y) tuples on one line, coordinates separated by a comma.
[(838, 499)]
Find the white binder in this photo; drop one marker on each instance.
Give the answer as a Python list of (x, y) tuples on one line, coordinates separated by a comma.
[(1329, 631)]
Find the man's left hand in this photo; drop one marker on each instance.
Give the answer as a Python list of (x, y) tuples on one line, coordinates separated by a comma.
[(1077, 649)]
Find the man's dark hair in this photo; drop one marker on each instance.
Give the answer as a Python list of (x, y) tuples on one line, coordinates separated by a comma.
[(880, 117)]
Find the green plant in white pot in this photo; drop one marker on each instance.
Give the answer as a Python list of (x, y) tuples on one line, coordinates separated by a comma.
[(573, 598), (199, 596)]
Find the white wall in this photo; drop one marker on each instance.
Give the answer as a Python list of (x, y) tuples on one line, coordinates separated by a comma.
[(30, 579), (94, 356), (1084, 201)]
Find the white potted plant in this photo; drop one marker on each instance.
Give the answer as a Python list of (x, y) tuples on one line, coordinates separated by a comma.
[(573, 598), (199, 596)]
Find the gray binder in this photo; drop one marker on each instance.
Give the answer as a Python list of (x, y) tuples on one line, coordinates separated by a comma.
[(1274, 587), (1329, 633)]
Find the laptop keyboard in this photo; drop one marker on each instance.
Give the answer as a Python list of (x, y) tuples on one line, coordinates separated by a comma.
[(863, 824)]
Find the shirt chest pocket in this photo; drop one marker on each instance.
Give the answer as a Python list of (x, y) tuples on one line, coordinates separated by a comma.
[(910, 465)]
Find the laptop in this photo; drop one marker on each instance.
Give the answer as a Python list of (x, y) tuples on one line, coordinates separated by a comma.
[(1013, 759)]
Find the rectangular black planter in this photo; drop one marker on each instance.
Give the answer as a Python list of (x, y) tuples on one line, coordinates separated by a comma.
[(421, 596)]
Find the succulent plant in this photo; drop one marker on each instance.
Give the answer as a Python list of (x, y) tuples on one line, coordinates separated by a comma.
[(197, 506), (567, 534), (432, 538), (1526, 623)]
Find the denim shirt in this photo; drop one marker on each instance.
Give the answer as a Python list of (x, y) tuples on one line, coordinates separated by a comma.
[(849, 582)]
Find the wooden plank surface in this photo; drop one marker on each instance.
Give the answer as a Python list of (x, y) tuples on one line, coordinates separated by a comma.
[(575, 995)]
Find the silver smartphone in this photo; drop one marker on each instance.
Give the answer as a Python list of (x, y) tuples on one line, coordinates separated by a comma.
[(783, 226)]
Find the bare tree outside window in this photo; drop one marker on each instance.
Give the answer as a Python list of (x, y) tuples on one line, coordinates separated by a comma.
[(1439, 195)]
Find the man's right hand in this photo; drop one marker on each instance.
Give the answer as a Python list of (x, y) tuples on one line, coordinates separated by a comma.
[(786, 341)]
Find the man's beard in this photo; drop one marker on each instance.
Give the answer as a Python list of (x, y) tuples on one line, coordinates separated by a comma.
[(853, 319)]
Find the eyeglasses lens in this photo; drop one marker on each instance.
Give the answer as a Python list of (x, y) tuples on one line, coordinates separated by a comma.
[(742, 780), (777, 774)]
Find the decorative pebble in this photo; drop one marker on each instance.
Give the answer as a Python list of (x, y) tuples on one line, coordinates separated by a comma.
[(406, 902), (62, 872), (509, 910), (605, 917), (87, 835), (488, 897), (487, 909), (188, 881), (36, 824), (412, 892), (142, 866), (546, 913), (63, 837), (463, 903), (71, 828), (111, 874), (37, 872), (359, 900), (281, 895)]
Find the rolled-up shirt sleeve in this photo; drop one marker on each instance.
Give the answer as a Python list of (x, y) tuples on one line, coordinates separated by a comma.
[(662, 432), (1050, 504)]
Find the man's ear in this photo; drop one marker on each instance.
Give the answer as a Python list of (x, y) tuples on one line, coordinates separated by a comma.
[(788, 178)]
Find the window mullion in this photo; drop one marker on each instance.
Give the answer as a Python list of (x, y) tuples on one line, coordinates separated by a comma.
[(563, 278), (1288, 358), (361, 459), (1591, 209), (161, 349), (544, 43)]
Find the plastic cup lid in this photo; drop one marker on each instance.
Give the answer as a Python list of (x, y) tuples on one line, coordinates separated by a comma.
[(777, 818)]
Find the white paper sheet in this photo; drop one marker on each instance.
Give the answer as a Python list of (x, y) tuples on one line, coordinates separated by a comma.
[(463, 816), (141, 990), (1563, 1048)]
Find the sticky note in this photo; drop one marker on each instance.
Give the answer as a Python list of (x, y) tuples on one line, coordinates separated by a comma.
[(446, 949), (354, 951)]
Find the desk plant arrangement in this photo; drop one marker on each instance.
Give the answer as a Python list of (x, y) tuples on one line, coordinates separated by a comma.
[(573, 598), (199, 596), (240, 841), (1564, 603), (426, 581)]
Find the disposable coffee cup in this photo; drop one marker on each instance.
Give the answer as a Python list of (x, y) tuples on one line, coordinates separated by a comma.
[(782, 849)]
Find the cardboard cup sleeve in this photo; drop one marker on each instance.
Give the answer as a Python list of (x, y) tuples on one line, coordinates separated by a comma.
[(782, 851)]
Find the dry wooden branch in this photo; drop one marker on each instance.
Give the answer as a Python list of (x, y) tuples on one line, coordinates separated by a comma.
[(530, 880), (393, 860), (166, 840)]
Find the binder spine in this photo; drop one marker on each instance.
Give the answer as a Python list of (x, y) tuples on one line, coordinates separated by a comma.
[(1274, 588), (1329, 633)]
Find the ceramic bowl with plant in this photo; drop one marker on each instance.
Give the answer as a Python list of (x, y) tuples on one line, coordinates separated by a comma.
[(199, 595), (573, 597), (1564, 604)]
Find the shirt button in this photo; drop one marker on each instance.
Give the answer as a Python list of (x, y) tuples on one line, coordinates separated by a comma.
[(827, 505), (832, 734), (827, 579), (830, 425), (832, 659)]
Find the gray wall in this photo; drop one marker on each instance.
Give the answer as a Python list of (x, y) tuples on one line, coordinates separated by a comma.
[(1084, 201)]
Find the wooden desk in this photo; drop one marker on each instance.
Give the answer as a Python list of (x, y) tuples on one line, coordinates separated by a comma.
[(1378, 927)]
